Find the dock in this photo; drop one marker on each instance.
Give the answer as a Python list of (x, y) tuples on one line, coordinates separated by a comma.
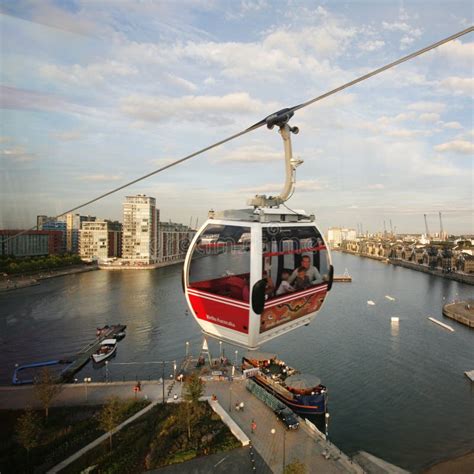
[(470, 375), (344, 278), (74, 363), (84, 355), (461, 311)]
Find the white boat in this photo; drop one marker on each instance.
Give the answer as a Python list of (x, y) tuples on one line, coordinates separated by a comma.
[(106, 349), (370, 303)]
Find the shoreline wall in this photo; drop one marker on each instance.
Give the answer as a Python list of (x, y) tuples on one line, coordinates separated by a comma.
[(459, 277)]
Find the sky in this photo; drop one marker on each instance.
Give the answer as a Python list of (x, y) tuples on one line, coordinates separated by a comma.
[(96, 93)]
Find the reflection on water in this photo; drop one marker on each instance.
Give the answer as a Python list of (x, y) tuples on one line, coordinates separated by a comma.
[(395, 390)]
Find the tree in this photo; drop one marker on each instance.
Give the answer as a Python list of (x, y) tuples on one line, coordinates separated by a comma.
[(28, 430), (193, 391), (110, 415), (295, 467), (47, 388)]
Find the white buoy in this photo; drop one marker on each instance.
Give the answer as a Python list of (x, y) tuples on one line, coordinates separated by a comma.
[(370, 303), (395, 319), (439, 323), (391, 298)]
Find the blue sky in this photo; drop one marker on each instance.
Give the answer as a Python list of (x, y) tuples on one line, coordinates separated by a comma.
[(95, 93)]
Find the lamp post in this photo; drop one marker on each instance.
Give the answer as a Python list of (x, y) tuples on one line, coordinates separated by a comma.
[(106, 370), (220, 349), (87, 380), (163, 379), (187, 349), (284, 449), (174, 370), (327, 424), (230, 397), (236, 355)]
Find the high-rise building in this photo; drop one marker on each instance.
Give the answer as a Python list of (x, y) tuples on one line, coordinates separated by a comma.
[(337, 234), (173, 241), (99, 240), (73, 226), (139, 238), (31, 243)]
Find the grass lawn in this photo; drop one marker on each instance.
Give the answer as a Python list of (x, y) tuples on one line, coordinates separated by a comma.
[(66, 430), (160, 438)]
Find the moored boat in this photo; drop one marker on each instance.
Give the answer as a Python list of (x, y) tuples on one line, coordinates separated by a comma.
[(106, 349), (304, 394)]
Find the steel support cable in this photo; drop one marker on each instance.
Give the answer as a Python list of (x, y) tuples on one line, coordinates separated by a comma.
[(261, 124)]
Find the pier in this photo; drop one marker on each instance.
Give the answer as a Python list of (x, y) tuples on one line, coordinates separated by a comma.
[(74, 363)]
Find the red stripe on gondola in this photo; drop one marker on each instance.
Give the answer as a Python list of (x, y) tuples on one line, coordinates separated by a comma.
[(291, 252)]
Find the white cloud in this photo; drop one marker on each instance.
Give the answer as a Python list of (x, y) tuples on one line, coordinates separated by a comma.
[(17, 153), (458, 51), (372, 45), (250, 154), (376, 186), (429, 117), (456, 146), (100, 177), (87, 75), (406, 41), (158, 108), (436, 107), (182, 83), (459, 85), (68, 135), (452, 125)]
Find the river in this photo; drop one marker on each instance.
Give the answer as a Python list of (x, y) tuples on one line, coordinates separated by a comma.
[(397, 391)]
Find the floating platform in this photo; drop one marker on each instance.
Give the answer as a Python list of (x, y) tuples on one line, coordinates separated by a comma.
[(439, 323), (470, 375), (74, 363), (345, 278)]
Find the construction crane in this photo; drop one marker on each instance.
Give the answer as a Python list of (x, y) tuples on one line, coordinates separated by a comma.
[(426, 227), (391, 227), (441, 231), (384, 229)]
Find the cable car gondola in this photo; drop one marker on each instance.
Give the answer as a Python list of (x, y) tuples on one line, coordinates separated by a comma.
[(238, 259)]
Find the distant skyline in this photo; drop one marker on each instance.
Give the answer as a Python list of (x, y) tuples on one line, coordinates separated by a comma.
[(97, 93)]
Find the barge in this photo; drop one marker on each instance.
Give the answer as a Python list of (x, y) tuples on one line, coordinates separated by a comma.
[(304, 394)]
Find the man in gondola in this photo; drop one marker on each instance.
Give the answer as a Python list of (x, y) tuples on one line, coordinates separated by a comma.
[(312, 273)]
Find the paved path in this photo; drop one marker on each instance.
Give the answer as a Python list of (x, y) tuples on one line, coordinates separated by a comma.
[(87, 394), (299, 444), (237, 461)]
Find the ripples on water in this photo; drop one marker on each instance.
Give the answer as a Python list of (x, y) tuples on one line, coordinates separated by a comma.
[(397, 391)]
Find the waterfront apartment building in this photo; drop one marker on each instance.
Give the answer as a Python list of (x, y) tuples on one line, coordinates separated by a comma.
[(33, 243), (336, 235), (173, 241), (100, 240), (139, 237)]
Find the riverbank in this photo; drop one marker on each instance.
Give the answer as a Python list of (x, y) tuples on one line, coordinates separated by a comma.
[(120, 266), (10, 283), (459, 277)]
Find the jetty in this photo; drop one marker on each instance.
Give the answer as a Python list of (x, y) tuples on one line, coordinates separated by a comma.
[(74, 363), (344, 278), (439, 323), (461, 311)]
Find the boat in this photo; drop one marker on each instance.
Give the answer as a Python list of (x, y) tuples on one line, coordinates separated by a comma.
[(304, 394), (112, 330), (345, 278), (106, 349)]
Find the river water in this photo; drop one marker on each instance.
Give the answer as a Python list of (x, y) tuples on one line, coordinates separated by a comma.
[(397, 391)]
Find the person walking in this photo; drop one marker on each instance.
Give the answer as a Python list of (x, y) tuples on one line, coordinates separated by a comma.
[(253, 426)]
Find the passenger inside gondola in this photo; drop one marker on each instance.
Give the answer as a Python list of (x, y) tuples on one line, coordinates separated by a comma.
[(301, 281), (285, 286), (311, 272)]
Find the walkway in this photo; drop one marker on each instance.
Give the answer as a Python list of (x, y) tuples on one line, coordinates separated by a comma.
[(87, 394), (300, 445)]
